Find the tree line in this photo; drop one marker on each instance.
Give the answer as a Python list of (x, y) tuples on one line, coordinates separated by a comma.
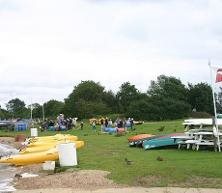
[(166, 98)]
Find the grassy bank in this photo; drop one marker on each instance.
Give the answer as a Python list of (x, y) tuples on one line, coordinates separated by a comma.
[(178, 168)]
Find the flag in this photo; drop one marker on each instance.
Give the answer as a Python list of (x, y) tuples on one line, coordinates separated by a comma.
[(218, 79), (219, 75)]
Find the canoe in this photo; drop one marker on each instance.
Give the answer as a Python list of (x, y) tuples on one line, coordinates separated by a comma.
[(46, 147), (160, 142), (32, 158), (139, 137), (137, 140)]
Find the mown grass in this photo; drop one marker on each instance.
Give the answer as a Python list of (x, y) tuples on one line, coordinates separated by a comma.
[(178, 168)]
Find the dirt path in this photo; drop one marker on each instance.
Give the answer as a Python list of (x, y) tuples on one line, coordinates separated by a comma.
[(83, 179), (125, 190)]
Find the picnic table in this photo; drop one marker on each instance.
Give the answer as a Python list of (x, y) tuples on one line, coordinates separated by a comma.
[(197, 139)]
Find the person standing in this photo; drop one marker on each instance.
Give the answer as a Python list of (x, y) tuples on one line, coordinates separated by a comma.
[(102, 125), (81, 125), (94, 126), (106, 122), (74, 122), (131, 123), (110, 123)]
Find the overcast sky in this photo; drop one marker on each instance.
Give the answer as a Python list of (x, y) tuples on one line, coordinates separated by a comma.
[(48, 46)]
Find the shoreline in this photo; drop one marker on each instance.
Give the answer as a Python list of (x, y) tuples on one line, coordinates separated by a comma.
[(123, 190)]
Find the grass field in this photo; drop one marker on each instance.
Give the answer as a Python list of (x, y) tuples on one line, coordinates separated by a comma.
[(178, 168)]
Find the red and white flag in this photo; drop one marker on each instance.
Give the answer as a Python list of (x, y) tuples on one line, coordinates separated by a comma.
[(219, 75)]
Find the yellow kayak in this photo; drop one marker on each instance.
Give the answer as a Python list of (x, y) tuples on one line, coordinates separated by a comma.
[(46, 147), (54, 137), (37, 142), (57, 136), (49, 142), (32, 158)]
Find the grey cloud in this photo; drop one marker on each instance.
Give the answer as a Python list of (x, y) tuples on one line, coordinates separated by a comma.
[(57, 51), (32, 84), (8, 5)]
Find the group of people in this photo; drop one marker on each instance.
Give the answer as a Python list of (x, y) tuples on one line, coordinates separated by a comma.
[(60, 124), (119, 123), (125, 123)]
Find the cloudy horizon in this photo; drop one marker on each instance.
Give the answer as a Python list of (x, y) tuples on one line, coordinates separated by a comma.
[(47, 47)]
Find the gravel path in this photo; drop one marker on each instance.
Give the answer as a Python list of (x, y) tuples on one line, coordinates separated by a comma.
[(125, 190)]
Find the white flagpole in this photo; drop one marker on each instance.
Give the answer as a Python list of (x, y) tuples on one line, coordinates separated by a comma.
[(215, 108)]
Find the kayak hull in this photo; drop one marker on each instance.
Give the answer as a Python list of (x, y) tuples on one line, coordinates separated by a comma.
[(139, 137), (46, 147), (137, 140), (50, 139), (160, 142), (31, 158), (34, 157)]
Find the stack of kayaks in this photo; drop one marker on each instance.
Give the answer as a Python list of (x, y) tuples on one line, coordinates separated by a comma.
[(162, 141), (148, 141), (137, 140), (56, 137), (41, 149)]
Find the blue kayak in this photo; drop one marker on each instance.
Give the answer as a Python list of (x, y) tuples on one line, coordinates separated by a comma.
[(110, 130)]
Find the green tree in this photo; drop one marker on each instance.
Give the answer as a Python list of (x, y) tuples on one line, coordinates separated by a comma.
[(87, 109), (17, 109), (158, 109), (168, 87), (200, 97), (126, 95), (36, 110), (88, 91), (144, 110), (174, 109), (86, 100), (110, 100), (169, 96), (53, 108), (4, 114)]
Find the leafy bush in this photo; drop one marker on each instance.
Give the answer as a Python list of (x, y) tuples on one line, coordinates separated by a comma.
[(158, 109), (174, 109), (86, 109), (144, 110)]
